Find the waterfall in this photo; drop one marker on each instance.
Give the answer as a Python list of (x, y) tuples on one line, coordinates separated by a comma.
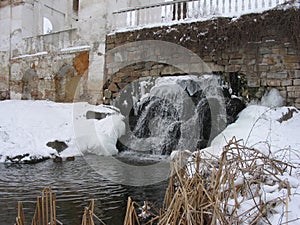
[(172, 113)]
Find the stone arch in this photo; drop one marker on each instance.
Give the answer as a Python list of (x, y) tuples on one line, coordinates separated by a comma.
[(66, 83), (124, 76), (30, 85)]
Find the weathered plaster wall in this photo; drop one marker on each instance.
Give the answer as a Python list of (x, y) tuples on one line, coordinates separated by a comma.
[(265, 48), (26, 53)]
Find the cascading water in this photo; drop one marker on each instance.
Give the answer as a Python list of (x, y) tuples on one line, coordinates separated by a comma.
[(172, 113)]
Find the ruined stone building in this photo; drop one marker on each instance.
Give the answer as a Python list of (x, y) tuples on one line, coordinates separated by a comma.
[(52, 49)]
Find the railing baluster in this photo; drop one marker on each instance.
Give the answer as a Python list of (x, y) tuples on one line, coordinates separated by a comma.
[(184, 10), (199, 9), (132, 18), (217, 7), (192, 13), (243, 5), (148, 17), (138, 18)]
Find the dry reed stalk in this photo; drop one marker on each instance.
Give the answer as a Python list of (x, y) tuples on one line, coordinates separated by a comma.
[(215, 190), (131, 217), (45, 213), (88, 215), (20, 219)]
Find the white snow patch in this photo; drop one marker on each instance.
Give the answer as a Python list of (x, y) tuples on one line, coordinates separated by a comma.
[(76, 49), (30, 55), (27, 126), (272, 99)]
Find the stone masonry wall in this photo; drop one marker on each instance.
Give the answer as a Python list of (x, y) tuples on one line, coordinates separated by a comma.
[(57, 77), (265, 48)]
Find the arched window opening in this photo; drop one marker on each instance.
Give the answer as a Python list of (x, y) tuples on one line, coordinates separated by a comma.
[(47, 26)]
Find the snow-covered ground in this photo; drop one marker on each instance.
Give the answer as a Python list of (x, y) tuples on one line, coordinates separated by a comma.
[(267, 126), (27, 126), (273, 130)]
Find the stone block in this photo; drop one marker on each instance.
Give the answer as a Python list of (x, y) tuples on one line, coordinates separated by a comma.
[(293, 88), (247, 68), (291, 59), (283, 93), (236, 56), (269, 60), (279, 51), (136, 74), (145, 73), (117, 79), (130, 79), (291, 94), (288, 82), (263, 82), (273, 83), (250, 61), (292, 66), (297, 100), (168, 70), (236, 61), (113, 87), (122, 85), (225, 56), (107, 94), (233, 68), (296, 82), (277, 68), (253, 82), (294, 94), (265, 50), (291, 51), (277, 75), (263, 68), (154, 73), (297, 73)]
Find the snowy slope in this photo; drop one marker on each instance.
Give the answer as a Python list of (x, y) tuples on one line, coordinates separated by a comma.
[(265, 126), (27, 126)]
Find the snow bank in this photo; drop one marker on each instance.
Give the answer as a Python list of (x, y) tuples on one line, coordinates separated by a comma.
[(264, 126), (272, 130), (27, 126)]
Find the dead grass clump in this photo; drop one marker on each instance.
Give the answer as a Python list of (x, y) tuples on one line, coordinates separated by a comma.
[(243, 186)]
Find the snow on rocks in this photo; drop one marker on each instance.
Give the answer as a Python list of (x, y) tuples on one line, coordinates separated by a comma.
[(27, 126)]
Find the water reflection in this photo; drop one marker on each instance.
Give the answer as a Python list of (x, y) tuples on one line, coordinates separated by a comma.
[(74, 183)]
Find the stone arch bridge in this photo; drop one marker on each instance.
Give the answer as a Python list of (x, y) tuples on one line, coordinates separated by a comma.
[(262, 48)]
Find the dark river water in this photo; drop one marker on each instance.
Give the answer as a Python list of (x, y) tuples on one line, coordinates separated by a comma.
[(108, 180)]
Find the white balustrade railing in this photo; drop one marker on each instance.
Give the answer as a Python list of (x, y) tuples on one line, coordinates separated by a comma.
[(187, 10)]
